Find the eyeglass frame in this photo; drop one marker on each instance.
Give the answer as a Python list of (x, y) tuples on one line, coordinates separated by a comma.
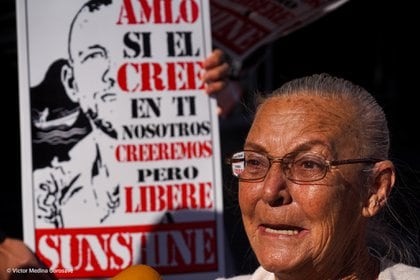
[(328, 164)]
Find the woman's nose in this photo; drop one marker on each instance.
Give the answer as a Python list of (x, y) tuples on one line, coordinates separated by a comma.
[(275, 188)]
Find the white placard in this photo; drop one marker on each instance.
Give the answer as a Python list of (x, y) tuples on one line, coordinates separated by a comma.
[(120, 144)]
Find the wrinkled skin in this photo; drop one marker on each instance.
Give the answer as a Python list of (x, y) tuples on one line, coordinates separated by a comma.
[(310, 230)]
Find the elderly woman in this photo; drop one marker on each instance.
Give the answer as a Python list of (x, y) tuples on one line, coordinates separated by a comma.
[(313, 172)]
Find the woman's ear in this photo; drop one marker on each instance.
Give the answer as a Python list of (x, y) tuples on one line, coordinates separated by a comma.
[(380, 186), (67, 79)]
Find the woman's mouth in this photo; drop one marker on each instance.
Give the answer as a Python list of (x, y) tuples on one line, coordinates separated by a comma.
[(282, 229)]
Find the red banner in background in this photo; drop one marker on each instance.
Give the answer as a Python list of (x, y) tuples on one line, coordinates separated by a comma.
[(240, 27)]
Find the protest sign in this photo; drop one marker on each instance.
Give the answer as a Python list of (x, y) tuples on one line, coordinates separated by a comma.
[(120, 144), (240, 27)]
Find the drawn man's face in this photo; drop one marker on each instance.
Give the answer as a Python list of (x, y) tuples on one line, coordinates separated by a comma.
[(96, 49)]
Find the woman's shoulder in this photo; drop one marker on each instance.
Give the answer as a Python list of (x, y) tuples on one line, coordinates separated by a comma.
[(259, 274), (398, 271)]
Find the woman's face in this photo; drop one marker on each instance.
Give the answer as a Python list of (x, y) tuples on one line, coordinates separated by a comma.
[(294, 227)]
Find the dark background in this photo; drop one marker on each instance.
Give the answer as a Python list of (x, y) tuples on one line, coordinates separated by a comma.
[(371, 42)]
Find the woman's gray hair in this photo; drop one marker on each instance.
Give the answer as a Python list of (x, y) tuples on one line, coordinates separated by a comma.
[(383, 238), (368, 114)]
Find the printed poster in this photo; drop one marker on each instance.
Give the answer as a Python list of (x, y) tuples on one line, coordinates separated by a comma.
[(120, 145)]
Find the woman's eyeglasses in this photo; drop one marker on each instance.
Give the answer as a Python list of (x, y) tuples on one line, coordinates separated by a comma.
[(302, 167)]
